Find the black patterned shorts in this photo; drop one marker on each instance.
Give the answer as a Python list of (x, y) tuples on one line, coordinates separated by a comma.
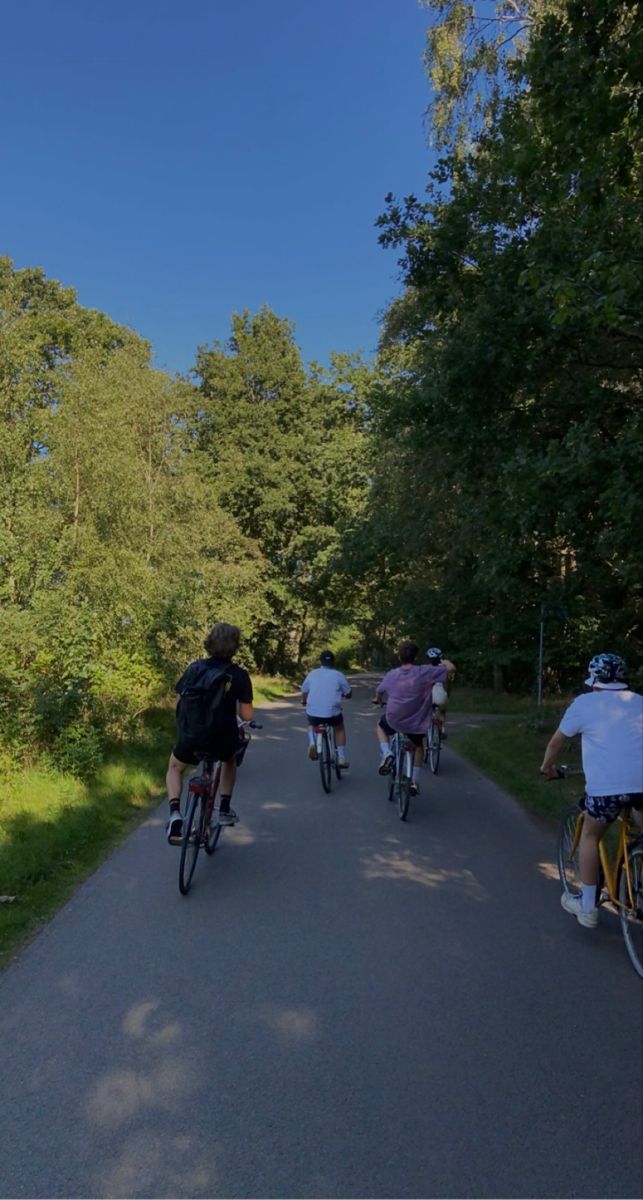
[(608, 808)]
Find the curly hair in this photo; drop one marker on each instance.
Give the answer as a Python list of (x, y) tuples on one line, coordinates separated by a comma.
[(223, 641)]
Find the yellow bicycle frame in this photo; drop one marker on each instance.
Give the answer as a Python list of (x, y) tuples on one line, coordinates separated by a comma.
[(611, 869)]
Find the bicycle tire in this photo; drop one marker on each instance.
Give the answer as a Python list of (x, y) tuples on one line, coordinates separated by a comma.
[(632, 919), (213, 831), (191, 843), (403, 788), (568, 865), (325, 765), (435, 746), (338, 769)]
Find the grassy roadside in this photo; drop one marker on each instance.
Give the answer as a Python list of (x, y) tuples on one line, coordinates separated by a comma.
[(56, 829), (510, 750)]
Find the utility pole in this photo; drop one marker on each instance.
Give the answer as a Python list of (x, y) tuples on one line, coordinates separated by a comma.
[(541, 643)]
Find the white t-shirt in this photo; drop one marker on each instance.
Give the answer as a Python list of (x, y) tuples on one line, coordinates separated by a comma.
[(611, 724), (325, 687)]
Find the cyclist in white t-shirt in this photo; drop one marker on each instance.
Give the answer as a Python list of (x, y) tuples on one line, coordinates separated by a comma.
[(610, 722), (322, 693)]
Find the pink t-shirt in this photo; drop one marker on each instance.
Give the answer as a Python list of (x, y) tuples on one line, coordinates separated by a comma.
[(410, 696)]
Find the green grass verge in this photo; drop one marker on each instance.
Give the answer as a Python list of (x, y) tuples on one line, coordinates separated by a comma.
[(273, 687), (55, 829), (511, 751), (484, 700)]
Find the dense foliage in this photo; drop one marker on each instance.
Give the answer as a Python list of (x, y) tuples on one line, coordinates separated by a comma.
[(484, 473), (513, 413), (137, 509)]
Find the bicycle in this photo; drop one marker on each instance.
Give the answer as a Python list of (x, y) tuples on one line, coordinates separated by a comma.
[(403, 751), (433, 741), (199, 828), (620, 881), (327, 754)]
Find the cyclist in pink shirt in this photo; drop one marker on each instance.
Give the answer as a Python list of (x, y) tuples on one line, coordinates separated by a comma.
[(409, 692)]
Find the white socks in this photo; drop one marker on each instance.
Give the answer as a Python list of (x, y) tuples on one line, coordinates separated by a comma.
[(341, 753), (416, 774), (385, 748), (588, 896)]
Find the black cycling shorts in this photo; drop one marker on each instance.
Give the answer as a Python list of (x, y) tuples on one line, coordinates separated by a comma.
[(337, 720), (416, 738)]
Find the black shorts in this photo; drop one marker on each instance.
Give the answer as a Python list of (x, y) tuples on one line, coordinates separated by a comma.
[(223, 748), (337, 720), (416, 738)]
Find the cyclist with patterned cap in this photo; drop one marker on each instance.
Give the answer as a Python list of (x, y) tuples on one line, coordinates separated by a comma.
[(441, 692), (610, 722)]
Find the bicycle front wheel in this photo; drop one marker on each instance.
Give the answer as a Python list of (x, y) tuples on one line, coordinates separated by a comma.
[(568, 858), (212, 829), (191, 843), (325, 764), (631, 912), (435, 746)]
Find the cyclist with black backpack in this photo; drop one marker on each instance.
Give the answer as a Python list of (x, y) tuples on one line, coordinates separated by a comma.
[(213, 692)]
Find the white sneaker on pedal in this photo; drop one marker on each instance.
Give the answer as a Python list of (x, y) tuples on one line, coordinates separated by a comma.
[(343, 764), (228, 817), (386, 764), (175, 829), (573, 905)]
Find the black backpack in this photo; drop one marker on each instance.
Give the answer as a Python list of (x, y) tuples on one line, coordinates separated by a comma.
[(199, 711)]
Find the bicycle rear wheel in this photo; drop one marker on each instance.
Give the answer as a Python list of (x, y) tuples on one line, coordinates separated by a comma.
[(631, 913), (568, 859), (325, 764), (403, 789), (403, 783), (191, 843), (435, 746)]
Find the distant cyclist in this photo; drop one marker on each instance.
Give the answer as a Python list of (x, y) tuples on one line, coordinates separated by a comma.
[(441, 691), (409, 692), (323, 690), (610, 722), (215, 676)]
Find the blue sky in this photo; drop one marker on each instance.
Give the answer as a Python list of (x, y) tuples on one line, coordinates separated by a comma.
[(177, 160)]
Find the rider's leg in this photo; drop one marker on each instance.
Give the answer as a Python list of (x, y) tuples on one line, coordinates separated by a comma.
[(174, 781), (384, 733), (588, 855), (227, 815), (340, 742)]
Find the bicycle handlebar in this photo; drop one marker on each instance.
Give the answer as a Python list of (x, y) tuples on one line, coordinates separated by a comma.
[(563, 772)]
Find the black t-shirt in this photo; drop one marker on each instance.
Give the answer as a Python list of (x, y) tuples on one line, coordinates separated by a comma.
[(240, 683)]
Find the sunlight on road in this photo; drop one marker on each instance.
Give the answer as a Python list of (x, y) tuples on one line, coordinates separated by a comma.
[(549, 870), (146, 1157), (295, 1024), (412, 869)]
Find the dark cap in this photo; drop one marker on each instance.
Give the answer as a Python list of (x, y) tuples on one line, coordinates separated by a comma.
[(327, 658)]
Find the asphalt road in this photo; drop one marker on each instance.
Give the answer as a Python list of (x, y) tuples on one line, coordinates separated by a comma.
[(344, 1005)]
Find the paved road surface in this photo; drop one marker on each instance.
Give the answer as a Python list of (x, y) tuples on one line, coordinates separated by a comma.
[(343, 1006)]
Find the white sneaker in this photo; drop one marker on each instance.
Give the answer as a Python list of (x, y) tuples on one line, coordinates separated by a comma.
[(573, 905), (343, 764)]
